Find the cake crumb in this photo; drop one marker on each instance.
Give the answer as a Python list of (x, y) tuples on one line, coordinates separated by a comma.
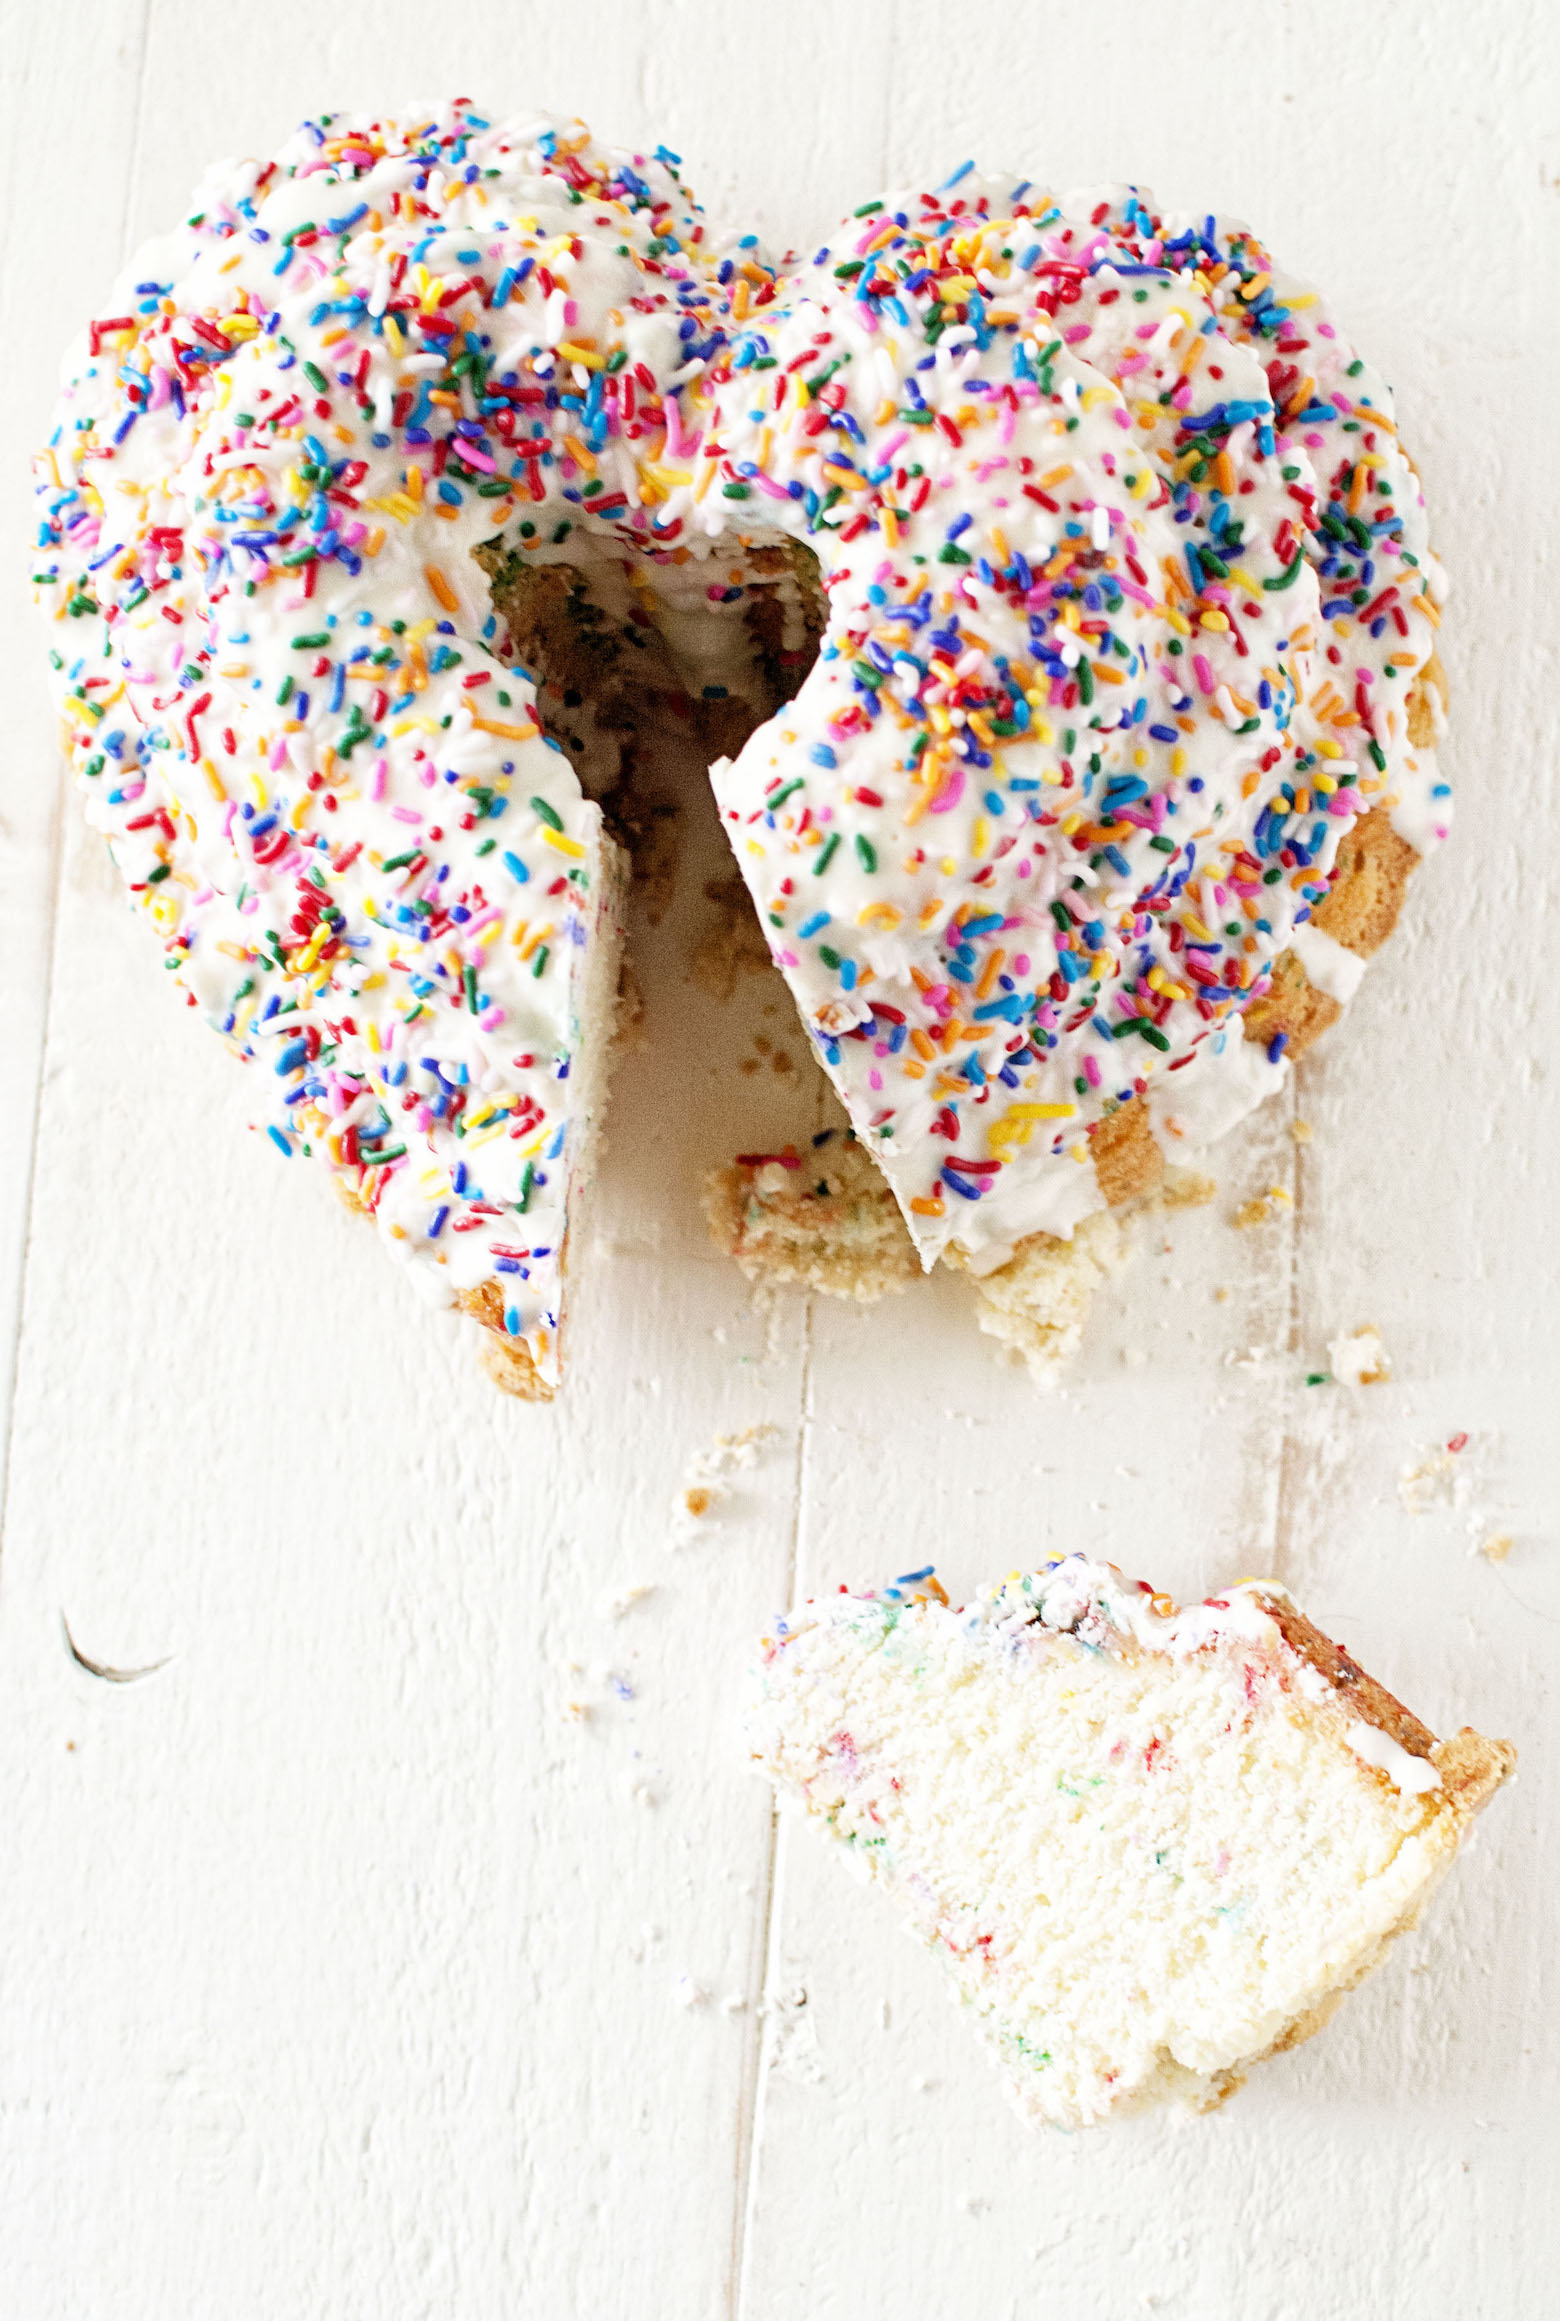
[(1439, 1478), (1496, 1548), (616, 1601), (703, 1486), (1301, 1131), (1263, 1207), (1359, 1357)]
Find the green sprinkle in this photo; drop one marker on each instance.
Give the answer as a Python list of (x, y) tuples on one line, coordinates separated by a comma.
[(826, 854), (553, 821), (316, 378), (1290, 573), (866, 852)]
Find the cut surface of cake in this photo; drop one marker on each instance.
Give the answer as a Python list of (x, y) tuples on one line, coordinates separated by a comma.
[(1150, 1845), (828, 1220)]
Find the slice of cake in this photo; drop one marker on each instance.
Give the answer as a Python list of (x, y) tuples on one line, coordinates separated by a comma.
[(1151, 1845)]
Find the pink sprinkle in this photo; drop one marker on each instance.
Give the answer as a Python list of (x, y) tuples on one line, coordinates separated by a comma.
[(786, 959), (1203, 672), (376, 786), (1091, 1071), (404, 814), (1122, 417), (571, 312), (874, 1078), (1021, 960), (894, 443), (1079, 332), (676, 442), (767, 484)]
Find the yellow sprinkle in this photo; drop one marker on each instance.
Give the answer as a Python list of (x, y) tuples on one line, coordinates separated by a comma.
[(564, 845)]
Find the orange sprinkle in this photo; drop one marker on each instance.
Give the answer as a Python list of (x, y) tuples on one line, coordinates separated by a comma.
[(505, 732), (441, 588)]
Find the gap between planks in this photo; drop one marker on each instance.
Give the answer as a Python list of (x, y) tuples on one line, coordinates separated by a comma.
[(748, 2150)]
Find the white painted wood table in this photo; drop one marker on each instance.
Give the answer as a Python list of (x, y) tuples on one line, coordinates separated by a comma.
[(416, 1941)]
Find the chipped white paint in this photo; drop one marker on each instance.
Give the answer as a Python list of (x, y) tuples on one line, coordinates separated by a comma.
[(415, 1941)]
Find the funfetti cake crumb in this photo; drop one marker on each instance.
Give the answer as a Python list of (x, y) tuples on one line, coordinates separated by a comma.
[(1150, 1845)]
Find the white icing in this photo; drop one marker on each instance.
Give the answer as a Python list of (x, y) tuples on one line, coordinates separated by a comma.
[(1414, 1776), (1328, 966)]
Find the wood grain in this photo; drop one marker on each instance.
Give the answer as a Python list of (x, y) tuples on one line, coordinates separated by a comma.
[(416, 1941)]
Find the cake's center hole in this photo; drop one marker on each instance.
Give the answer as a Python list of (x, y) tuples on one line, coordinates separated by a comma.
[(706, 646)]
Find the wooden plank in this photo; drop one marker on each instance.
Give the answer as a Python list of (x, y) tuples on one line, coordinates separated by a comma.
[(1412, 2134), (63, 81)]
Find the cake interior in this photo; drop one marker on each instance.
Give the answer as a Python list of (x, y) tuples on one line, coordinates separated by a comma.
[(1143, 1871)]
